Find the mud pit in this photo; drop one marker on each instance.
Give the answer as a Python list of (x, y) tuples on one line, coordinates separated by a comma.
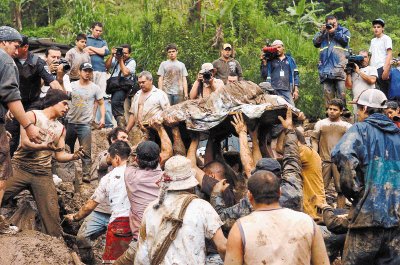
[(34, 247)]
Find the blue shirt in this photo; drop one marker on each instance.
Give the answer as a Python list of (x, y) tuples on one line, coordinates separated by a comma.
[(98, 60)]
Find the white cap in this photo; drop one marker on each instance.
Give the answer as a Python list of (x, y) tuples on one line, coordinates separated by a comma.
[(206, 67), (373, 98), (277, 42)]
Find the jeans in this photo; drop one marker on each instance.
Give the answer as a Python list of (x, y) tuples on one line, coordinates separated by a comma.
[(92, 227), (83, 133), (109, 116), (383, 85), (286, 94), (334, 89), (174, 98), (117, 103), (44, 191)]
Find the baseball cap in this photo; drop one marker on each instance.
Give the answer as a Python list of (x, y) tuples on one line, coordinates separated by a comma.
[(85, 66), (206, 67), (9, 34), (148, 151), (227, 45), (378, 21), (373, 98), (268, 164), (277, 42)]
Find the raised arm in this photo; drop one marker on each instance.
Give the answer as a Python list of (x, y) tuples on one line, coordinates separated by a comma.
[(245, 154), (191, 155)]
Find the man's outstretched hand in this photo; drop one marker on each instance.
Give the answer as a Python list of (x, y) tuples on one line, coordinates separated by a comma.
[(288, 122)]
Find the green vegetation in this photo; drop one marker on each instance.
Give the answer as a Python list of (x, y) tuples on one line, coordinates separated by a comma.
[(200, 27)]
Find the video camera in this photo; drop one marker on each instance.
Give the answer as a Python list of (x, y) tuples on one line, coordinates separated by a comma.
[(352, 61), (270, 52)]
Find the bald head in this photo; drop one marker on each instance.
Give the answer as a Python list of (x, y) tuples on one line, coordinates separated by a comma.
[(264, 186)]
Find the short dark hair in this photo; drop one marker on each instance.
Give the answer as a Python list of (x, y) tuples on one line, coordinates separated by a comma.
[(330, 17), (113, 134), (370, 110), (25, 40), (171, 46), (264, 186), (120, 148), (300, 136), (96, 23), (81, 36), (336, 102), (392, 105), (127, 46), (51, 48)]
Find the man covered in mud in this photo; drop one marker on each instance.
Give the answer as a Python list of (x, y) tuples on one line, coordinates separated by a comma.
[(326, 135), (368, 160), (112, 188), (32, 162), (96, 223), (272, 234), (175, 226)]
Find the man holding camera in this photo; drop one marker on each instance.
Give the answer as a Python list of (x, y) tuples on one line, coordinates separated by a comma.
[(122, 67), (206, 83), (360, 77), (332, 41), (282, 73)]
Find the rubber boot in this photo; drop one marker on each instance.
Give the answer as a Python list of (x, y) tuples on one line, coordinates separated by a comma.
[(87, 255)]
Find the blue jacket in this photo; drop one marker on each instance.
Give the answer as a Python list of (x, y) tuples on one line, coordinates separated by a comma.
[(332, 53), (368, 159), (294, 78)]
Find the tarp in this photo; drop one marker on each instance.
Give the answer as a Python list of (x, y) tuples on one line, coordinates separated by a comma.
[(204, 114)]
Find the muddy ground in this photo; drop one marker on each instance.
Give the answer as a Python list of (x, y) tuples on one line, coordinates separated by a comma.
[(33, 247)]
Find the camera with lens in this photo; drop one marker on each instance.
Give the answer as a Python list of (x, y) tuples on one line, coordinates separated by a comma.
[(352, 61), (64, 63), (207, 76), (119, 51), (329, 26), (270, 52)]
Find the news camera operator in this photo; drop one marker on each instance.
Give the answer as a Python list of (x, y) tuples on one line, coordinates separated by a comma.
[(280, 69), (206, 83), (121, 82), (360, 75), (332, 41)]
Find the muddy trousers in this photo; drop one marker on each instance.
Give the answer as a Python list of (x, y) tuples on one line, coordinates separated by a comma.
[(95, 224), (372, 245), (128, 257), (43, 191), (334, 89)]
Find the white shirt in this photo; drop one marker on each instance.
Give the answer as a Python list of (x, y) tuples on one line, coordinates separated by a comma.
[(112, 187), (200, 221), (359, 84), (378, 50), (153, 105)]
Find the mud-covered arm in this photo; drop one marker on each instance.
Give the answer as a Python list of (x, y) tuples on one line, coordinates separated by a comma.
[(318, 38), (335, 224), (191, 155), (347, 154), (166, 145), (231, 214)]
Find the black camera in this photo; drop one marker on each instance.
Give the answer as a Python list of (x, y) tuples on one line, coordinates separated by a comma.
[(207, 76), (329, 26), (119, 51), (64, 63), (352, 61)]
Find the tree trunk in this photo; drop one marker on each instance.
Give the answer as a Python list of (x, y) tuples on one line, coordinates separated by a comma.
[(18, 16)]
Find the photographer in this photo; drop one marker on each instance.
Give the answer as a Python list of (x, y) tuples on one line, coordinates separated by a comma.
[(360, 77), (332, 41), (281, 71), (206, 83), (121, 65)]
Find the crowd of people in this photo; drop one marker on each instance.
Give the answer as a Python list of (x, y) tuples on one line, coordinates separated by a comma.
[(296, 198)]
